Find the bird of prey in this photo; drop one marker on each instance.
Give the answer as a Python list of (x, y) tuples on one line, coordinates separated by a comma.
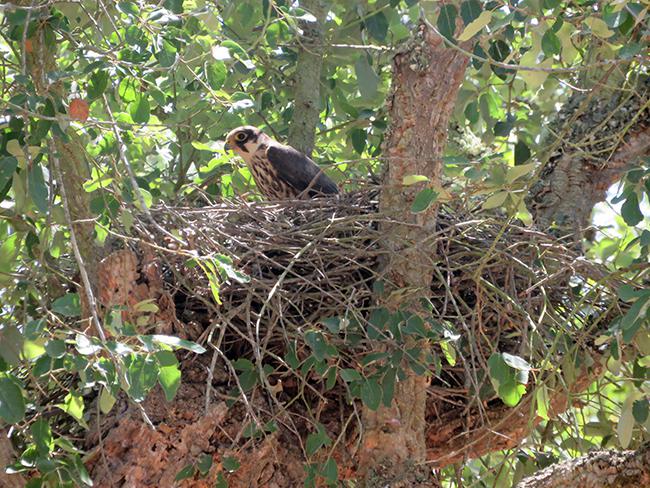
[(280, 172)]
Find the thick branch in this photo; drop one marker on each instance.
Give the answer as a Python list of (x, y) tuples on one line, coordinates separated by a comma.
[(607, 134), (601, 469), (306, 106)]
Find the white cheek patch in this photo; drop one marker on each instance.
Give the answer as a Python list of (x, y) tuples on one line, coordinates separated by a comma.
[(251, 147)]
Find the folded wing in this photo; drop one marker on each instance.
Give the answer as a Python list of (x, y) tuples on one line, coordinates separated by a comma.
[(299, 171)]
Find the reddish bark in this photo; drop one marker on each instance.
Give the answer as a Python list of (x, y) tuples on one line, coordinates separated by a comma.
[(426, 79)]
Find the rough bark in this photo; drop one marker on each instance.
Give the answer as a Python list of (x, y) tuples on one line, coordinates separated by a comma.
[(598, 469), (306, 81), (426, 78), (40, 60), (7, 457), (599, 136)]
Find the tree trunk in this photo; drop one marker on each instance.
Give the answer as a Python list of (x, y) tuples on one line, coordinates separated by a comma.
[(601, 469), (40, 58), (426, 78), (306, 81)]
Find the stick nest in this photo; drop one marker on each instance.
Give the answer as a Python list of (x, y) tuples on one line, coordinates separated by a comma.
[(289, 288)]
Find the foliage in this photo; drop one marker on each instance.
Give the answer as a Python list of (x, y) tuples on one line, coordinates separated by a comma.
[(169, 79)]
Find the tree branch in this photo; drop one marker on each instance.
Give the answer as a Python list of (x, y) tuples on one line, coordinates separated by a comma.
[(627, 469), (306, 82), (604, 141)]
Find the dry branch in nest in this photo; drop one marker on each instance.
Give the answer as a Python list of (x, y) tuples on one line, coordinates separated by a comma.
[(295, 301)]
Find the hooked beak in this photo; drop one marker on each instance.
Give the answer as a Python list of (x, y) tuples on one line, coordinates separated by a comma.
[(227, 147)]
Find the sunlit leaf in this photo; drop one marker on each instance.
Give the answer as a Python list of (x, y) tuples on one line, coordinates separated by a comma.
[(475, 26)]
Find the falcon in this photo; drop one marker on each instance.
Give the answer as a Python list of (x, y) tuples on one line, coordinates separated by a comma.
[(280, 172)]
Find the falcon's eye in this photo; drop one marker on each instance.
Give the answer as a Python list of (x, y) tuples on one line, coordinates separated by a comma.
[(240, 137)]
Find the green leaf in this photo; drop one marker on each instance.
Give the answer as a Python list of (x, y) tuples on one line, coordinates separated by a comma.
[(499, 50), (8, 165), (216, 73), (230, 464), (235, 48), (503, 128), (630, 210), (349, 375), (616, 19), (625, 425), (97, 85), (106, 401), (129, 89), (522, 153), (129, 8), (543, 401), (476, 26), (73, 405), (495, 200), (221, 481), (628, 293), (243, 364), (316, 440), (169, 375), (377, 322), (413, 179), (551, 43), (38, 188), (333, 324), (358, 137), (388, 387), (11, 344), (55, 348), (42, 435), (470, 10), (33, 349), (166, 54), (640, 410), (176, 342), (141, 374), (367, 79), (185, 473), (140, 110), (12, 404), (176, 6), (68, 305), (511, 393), (377, 26), (330, 471), (204, 464), (630, 49), (371, 394), (598, 27), (423, 200), (498, 369), (516, 172), (472, 113), (447, 21)]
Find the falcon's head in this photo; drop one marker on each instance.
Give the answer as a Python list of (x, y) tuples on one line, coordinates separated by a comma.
[(244, 140)]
